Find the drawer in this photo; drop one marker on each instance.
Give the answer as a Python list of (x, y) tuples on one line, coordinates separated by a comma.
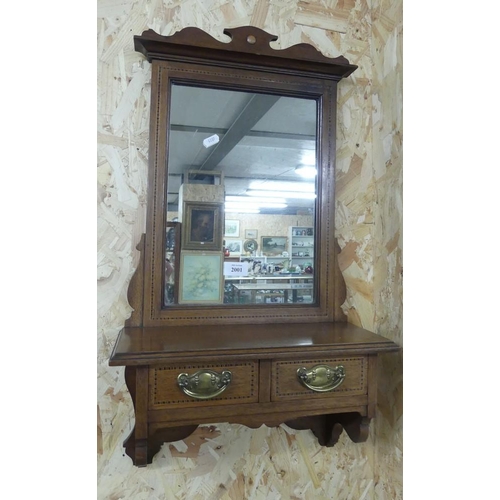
[(287, 385), (164, 390)]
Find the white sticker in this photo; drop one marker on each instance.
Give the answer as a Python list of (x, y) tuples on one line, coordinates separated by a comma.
[(210, 141), (235, 268)]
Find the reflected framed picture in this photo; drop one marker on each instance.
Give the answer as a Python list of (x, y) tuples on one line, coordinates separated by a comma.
[(273, 245), (234, 246), (201, 278), (251, 234), (232, 228), (202, 226), (250, 246)]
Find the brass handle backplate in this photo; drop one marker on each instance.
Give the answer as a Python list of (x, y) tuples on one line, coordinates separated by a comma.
[(204, 384), (321, 378)]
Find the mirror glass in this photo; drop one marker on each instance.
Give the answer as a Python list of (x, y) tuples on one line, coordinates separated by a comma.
[(241, 198)]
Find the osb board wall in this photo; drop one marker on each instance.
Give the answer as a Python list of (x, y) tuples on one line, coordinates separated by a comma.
[(387, 127), (230, 461)]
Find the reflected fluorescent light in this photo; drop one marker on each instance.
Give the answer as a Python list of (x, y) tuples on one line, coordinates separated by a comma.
[(307, 171), (231, 204), (242, 209), (278, 186), (309, 157), (247, 204), (286, 194), (263, 201)]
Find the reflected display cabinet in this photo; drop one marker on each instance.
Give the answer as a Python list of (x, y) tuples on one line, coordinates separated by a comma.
[(302, 246), (252, 114)]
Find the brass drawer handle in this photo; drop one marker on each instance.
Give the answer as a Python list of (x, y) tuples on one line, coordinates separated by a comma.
[(204, 384), (321, 378)]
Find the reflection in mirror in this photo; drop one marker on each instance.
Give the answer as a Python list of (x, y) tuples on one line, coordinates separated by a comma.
[(241, 198)]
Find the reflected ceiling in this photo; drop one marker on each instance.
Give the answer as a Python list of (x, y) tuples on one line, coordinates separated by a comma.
[(261, 140)]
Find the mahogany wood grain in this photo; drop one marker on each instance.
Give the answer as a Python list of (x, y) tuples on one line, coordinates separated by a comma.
[(135, 293), (265, 381), (136, 346), (372, 380), (236, 413), (136, 445), (286, 384), (262, 346), (154, 267), (329, 282), (193, 44), (326, 429), (164, 392), (357, 426)]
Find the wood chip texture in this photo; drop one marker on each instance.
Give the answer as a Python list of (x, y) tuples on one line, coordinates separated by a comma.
[(230, 462)]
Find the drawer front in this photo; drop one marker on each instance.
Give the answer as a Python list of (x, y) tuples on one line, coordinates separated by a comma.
[(287, 385), (164, 390)]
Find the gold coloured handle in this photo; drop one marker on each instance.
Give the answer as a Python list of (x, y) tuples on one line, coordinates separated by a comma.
[(204, 384), (321, 378)]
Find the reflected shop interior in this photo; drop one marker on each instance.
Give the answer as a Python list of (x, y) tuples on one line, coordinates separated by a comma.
[(241, 198)]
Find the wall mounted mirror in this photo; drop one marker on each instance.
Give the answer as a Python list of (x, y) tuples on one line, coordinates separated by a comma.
[(241, 210), (242, 183), (237, 300)]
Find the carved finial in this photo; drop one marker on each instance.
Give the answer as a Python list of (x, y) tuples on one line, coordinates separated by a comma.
[(248, 45), (250, 35)]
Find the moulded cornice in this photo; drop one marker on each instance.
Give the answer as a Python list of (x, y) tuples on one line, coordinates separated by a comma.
[(248, 46)]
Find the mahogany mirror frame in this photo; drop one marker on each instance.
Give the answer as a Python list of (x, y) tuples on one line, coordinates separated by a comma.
[(246, 63), (303, 365)]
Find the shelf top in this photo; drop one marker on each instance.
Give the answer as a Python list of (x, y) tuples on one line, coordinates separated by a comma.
[(145, 345)]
